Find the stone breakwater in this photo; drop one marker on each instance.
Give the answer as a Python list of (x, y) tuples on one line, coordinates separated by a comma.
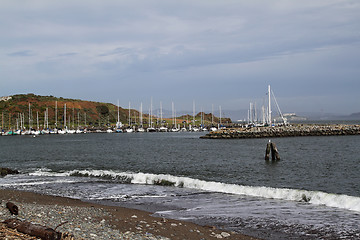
[(284, 131)]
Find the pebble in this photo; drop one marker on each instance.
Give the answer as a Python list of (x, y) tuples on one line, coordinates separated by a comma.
[(225, 234), (73, 219)]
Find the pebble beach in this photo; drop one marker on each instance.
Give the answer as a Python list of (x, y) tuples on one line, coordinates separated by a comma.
[(84, 220)]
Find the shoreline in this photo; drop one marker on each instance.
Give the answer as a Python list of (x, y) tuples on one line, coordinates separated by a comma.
[(87, 220), (296, 130)]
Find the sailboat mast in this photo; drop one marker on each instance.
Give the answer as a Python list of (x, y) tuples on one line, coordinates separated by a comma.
[(29, 117), (37, 120), (269, 107), (161, 115), (212, 114), (220, 114), (118, 113), (129, 116), (172, 108), (141, 115), (20, 116), (251, 113), (65, 116), (194, 112), (55, 114), (151, 113)]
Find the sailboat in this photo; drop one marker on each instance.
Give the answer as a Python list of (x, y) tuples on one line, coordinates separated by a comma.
[(162, 127), (174, 128), (212, 128), (141, 129), (150, 128), (278, 108), (129, 129), (118, 123), (64, 131)]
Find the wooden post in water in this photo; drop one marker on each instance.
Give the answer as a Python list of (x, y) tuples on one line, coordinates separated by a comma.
[(274, 152), (275, 156), (267, 153)]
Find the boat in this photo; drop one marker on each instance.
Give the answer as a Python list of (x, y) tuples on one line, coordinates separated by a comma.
[(78, 131), (195, 129), (45, 131), (183, 129), (62, 131), (140, 129), (163, 129), (151, 129), (213, 129), (129, 130), (71, 131)]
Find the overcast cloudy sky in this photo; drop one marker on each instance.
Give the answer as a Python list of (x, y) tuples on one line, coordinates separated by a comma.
[(208, 51)]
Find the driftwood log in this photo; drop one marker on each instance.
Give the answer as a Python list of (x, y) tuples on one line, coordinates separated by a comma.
[(12, 208), (36, 230)]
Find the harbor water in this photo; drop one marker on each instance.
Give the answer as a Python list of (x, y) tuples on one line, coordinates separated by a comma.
[(313, 192)]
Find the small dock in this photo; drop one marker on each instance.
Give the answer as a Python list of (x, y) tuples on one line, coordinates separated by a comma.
[(285, 131)]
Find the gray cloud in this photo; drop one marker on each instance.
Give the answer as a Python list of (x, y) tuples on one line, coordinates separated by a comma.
[(185, 49), (23, 53)]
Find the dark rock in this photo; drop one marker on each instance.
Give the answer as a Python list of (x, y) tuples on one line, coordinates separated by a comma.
[(6, 171), (12, 208)]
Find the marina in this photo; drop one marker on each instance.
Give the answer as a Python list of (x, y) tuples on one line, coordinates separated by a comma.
[(70, 116)]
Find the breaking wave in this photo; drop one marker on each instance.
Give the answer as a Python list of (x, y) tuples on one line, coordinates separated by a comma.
[(313, 197)]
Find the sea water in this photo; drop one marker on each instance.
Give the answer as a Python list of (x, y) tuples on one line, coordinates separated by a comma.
[(313, 192)]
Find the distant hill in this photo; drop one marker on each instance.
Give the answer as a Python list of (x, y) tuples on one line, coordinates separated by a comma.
[(31, 109), (354, 116), (96, 113)]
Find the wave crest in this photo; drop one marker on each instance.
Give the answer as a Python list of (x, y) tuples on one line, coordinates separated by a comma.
[(313, 197)]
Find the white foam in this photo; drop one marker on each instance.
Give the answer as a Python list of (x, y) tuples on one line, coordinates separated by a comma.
[(35, 183), (314, 197)]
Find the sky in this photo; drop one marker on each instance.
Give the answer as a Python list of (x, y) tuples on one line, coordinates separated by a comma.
[(211, 52)]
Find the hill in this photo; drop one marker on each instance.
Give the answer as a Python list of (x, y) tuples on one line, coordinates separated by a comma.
[(32, 110), (354, 116)]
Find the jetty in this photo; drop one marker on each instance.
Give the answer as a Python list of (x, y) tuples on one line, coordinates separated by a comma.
[(296, 130)]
